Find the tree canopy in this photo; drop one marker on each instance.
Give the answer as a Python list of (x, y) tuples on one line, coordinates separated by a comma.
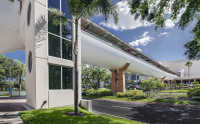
[(93, 75), (181, 11), (5, 64)]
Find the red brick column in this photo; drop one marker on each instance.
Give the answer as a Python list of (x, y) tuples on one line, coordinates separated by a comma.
[(121, 84), (114, 80)]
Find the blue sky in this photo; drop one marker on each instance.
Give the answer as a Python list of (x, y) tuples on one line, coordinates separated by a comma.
[(164, 44)]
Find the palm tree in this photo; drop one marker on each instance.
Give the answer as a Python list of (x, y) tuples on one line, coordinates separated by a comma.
[(85, 9), (188, 64), (19, 70)]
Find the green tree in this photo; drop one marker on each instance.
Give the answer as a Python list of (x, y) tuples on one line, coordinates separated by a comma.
[(188, 64), (149, 85), (5, 64), (19, 70), (182, 11), (84, 9), (93, 75)]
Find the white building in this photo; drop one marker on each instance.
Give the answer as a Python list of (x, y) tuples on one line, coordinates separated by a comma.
[(180, 67), (24, 25)]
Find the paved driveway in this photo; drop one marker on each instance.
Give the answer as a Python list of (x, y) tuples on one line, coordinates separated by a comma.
[(9, 108), (149, 113)]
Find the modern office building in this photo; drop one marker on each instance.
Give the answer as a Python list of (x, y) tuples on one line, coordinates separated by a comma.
[(180, 67), (24, 25)]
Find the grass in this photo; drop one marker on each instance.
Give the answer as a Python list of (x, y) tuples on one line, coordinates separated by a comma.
[(148, 100), (174, 91), (57, 116)]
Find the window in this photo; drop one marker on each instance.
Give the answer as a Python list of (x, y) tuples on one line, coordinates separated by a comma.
[(29, 14), (60, 36), (67, 31), (60, 77), (54, 77), (30, 62), (65, 10), (54, 46), (67, 78), (67, 49)]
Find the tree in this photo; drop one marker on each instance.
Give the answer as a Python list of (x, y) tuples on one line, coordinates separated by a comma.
[(188, 64), (5, 64), (182, 11), (84, 9), (93, 75), (149, 85), (19, 70)]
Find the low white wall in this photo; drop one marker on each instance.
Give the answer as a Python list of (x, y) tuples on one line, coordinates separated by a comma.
[(16, 93), (87, 104), (61, 98)]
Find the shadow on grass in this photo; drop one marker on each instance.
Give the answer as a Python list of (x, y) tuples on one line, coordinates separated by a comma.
[(57, 116)]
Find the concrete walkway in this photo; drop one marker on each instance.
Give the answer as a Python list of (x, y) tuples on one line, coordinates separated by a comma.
[(9, 108)]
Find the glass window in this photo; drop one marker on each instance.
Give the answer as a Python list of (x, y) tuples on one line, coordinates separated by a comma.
[(55, 29), (54, 4), (52, 28), (54, 77), (66, 49), (67, 31), (67, 78), (54, 46), (65, 10)]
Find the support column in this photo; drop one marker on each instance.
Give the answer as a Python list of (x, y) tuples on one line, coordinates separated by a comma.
[(162, 79), (114, 80), (121, 84), (169, 84)]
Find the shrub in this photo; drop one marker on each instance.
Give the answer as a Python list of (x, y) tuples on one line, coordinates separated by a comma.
[(131, 93), (91, 91), (194, 92), (105, 93), (101, 92)]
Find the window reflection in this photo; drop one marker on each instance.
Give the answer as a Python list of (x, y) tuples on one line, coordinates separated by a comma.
[(66, 49), (54, 77), (67, 31), (67, 78), (65, 10), (54, 46)]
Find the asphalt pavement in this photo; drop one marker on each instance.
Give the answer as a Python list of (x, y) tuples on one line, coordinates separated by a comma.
[(149, 113)]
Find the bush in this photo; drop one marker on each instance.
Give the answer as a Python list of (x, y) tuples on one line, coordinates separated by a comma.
[(194, 92), (105, 93), (101, 92), (132, 93), (91, 92)]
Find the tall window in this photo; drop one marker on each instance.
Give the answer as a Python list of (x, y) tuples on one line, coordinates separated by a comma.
[(60, 77), (60, 36)]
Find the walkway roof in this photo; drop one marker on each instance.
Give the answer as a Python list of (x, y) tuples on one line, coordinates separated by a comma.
[(114, 40)]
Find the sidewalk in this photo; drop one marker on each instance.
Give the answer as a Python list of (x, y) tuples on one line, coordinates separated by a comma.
[(10, 118), (9, 108)]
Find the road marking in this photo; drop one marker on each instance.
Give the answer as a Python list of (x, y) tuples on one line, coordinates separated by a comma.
[(121, 107)]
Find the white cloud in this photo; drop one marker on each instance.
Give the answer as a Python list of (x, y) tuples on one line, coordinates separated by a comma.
[(169, 23), (139, 49), (163, 34), (144, 40), (126, 19)]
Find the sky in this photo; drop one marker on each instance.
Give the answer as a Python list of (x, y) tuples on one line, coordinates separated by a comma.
[(164, 44)]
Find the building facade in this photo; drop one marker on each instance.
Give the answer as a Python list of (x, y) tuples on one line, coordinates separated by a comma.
[(180, 67)]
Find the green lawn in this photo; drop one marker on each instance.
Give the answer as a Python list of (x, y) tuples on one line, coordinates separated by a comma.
[(149, 100), (174, 91), (57, 116)]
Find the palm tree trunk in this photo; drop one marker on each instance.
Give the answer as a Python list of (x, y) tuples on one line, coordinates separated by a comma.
[(76, 68), (189, 74), (20, 79)]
